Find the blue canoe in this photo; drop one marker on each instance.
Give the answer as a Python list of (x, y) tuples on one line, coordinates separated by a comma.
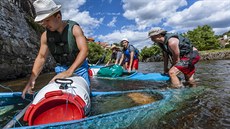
[(139, 76), (132, 76), (143, 116)]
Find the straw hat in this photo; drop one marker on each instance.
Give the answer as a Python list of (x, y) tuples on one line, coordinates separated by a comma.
[(156, 32), (113, 47), (44, 9)]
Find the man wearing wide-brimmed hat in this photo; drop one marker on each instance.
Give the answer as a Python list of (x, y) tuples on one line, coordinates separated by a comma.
[(116, 55), (180, 51), (63, 39), (129, 55)]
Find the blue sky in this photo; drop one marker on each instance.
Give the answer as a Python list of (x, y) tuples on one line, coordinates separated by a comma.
[(111, 20)]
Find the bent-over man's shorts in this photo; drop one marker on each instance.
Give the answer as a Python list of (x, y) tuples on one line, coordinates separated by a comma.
[(187, 65)]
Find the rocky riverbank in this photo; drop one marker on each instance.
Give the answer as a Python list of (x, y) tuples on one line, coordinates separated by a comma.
[(205, 55), (215, 55)]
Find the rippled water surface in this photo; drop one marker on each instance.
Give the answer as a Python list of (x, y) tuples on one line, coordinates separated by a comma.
[(209, 110)]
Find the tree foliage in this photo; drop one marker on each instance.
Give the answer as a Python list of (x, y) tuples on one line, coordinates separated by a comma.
[(203, 38), (95, 52), (226, 33), (151, 51)]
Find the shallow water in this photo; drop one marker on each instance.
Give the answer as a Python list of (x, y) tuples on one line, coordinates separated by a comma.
[(107, 103), (210, 110)]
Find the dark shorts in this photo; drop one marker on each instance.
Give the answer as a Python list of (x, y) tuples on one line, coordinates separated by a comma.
[(187, 65)]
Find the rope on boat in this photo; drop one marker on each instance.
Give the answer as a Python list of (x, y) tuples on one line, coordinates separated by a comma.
[(6, 87), (17, 122), (17, 116)]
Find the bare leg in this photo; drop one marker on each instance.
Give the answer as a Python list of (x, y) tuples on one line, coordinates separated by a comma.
[(126, 65), (173, 72)]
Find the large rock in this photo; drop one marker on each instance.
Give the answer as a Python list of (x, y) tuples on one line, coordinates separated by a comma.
[(19, 41)]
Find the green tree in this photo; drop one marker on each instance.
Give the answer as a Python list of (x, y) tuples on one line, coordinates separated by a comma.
[(117, 44), (203, 38), (95, 52), (151, 51)]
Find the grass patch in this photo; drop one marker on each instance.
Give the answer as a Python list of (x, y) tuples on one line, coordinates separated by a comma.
[(215, 51)]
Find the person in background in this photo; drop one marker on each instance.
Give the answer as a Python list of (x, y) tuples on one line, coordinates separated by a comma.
[(180, 51), (130, 54), (116, 55), (64, 40)]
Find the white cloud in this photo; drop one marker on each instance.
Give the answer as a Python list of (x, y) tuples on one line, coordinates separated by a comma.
[(70, 4), (136, 38), (147, 13), (107, 13), (112, 23), (169, 13), (206, 12), (70, 11), (173, 14)]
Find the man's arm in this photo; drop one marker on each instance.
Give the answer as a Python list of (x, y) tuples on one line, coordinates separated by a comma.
[(118, 57), (173, 44), (131, 61), (83, 53), (82, 46), (117, 61), (122, 58), (38, 65), (165, 60), (108, 62)]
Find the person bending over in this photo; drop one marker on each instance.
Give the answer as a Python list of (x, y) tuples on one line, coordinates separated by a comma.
[(64, 40), (180, 51)]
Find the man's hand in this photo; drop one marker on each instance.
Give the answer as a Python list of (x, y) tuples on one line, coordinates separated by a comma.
[(64, 74), (129, 70), (28, 89)]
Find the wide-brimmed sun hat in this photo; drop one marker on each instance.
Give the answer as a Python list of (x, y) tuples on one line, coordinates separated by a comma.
[(44, 9), (156, 32), (113, 47)]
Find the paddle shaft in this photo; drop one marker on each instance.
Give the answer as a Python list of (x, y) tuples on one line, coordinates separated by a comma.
[(16, 118)]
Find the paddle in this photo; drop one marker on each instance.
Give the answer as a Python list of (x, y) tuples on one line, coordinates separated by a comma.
[(16, 118), (102, 59)]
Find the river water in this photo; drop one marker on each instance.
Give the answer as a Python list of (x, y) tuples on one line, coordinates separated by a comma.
[(209, 110)]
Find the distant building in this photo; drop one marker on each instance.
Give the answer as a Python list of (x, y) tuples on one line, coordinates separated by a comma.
[(103, 44), (90, 40), (224, 40)]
